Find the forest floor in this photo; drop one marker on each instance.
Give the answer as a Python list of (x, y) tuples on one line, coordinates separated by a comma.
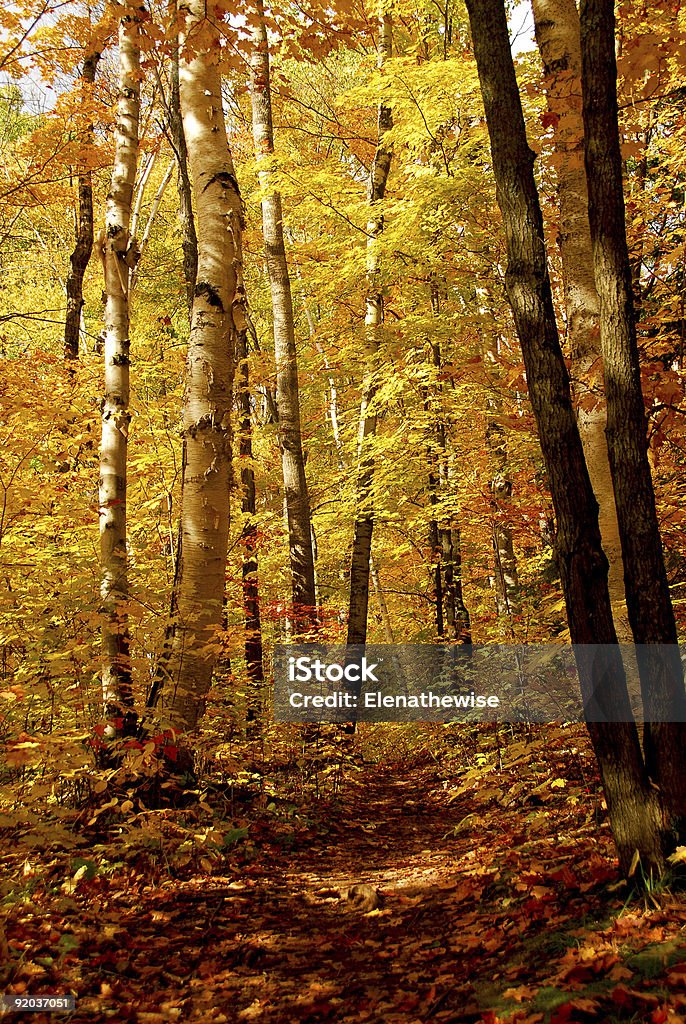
[(488, 892)]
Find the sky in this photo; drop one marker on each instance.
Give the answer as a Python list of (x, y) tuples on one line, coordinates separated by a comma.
[(39, 97), (522, 28)]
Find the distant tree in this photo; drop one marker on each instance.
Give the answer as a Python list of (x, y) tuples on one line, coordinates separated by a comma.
[(80, 257), (364, 512), (296, 497)]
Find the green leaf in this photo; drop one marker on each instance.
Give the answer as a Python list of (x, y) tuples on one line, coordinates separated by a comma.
[(90, 869), (234, 835)]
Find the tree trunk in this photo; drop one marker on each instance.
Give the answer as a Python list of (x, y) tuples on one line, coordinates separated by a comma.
[(434, 540), (154, 210), (557, 35), (364, 512), (647, 591), (445, 535), (146, 169), (507, 594), (116, 675), (189, 238), (287, 392), (190, 270), (632, 804), (449, 538), (456, 614), (83, 248), (249, 540), (217, 316), (384, 614)]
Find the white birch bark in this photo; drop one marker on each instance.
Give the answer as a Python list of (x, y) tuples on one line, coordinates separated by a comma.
[(154, 210), (217, 316), (297, 502), (116, 672)]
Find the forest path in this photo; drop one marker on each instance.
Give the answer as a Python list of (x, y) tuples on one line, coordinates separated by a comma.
[(309, 954), (493, 889)]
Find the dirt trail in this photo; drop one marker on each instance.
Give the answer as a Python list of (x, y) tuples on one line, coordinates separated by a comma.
[(313, 956), (488, 895)]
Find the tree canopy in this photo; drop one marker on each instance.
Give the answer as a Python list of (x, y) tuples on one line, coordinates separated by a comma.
[(334, 323)]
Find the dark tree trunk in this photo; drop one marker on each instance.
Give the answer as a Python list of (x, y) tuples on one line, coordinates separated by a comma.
[(507, 592), (190, 241), (456, 614), (249, 537), (558, 36), (647, 592), (360, 560), (632, 803), (80, 257), (435, 540), (444, 534)]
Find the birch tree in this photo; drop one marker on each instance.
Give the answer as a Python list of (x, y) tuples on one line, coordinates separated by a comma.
[(296, 499), (189, 243), (216, 317), (118, 255)]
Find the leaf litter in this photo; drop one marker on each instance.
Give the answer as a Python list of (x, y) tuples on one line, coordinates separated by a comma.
[(446, 887)]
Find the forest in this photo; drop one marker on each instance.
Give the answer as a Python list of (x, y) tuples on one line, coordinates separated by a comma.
[(341, 327)]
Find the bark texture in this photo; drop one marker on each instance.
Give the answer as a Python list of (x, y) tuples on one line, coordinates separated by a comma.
[(647, 591), (217, 316), (116, 673), (557, 34), (249, 540), (632, 803), (507, 592), (364, 513), (190, 270), (452, 615), (287, 391), (80, 257), (189, 238)]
